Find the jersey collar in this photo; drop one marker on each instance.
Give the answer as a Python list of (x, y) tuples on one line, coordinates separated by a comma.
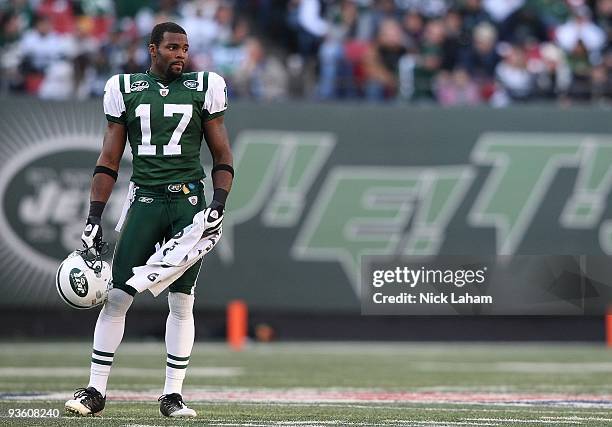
[(160, 79)]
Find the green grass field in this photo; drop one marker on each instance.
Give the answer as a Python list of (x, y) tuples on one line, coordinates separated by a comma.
[(323, 384)]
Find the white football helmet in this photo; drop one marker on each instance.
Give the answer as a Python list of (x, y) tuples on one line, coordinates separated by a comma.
[(82, 283)]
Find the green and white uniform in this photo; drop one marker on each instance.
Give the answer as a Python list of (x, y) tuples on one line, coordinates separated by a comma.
[(165, 125), (165, 121)]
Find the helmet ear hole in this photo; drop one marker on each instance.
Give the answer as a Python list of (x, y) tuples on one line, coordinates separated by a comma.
[(79, 284)]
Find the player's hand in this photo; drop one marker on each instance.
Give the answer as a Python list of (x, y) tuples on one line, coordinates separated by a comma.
[(92, 235), (213, 216)]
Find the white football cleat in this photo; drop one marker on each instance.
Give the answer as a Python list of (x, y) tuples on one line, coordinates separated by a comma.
[(87, 401), (172, 405)]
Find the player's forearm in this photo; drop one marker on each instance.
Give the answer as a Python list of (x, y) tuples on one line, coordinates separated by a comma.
[(101, 187), (222, 172), (104, 176), (222, 178)]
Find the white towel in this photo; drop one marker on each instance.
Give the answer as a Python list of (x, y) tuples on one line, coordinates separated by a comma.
[(129, 199), (176, 256)]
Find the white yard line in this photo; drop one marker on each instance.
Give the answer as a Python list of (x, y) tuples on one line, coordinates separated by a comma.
[(295, 423), (576, 418), (473, 408), (440, 423), (521, 421)]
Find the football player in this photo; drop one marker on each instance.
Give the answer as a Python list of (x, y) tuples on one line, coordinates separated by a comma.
[(164, 113)]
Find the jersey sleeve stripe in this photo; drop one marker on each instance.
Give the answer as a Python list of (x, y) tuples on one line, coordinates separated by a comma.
[(126, 83), (120, 120), (214, 115), (200, 81)]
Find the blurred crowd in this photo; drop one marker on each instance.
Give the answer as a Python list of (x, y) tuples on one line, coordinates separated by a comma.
[(448, 52)]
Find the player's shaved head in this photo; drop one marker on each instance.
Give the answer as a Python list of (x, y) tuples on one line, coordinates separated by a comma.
[(157, 34)]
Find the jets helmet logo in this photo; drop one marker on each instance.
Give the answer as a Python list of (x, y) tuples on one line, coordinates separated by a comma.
[(78, 282)]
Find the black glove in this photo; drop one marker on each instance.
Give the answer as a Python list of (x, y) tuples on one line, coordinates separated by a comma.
[(213, 216), (217, 207), (92, 235)]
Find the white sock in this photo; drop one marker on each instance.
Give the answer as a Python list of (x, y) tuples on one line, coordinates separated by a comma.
[(107, 337), (180, 333)]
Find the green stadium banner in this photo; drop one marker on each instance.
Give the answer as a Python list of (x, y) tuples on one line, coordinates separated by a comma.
[(319, 186)]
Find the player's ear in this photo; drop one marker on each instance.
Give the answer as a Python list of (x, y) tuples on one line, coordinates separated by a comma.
[(152, 49)]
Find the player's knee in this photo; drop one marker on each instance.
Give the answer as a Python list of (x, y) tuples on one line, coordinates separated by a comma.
[(118, 302), (120, 284), (181, 305)]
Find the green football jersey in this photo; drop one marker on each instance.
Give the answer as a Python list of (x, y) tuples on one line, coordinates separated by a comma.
[(165, 122)]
